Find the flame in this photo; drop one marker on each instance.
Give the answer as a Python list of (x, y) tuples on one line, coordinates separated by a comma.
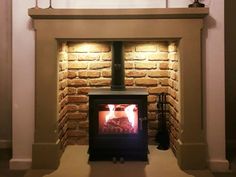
[(129, 110), (111, 112)]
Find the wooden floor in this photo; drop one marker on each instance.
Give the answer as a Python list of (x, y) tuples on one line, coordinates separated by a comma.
[(5, 156)]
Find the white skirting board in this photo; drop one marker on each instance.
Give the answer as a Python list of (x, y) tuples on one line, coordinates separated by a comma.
[(20, 164), (5, 144), (218, 165)]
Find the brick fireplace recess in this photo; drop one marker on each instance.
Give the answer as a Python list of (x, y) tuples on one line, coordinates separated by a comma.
[(162, 53)]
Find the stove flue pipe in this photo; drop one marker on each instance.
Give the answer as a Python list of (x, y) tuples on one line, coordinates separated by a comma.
[(117, 69)]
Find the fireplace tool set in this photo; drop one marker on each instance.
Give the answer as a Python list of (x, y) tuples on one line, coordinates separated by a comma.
[(162, 136)]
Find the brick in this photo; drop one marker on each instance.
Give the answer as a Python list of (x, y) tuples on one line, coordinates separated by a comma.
[(99, 82), (146, 47), (174, 66), (145, 65), (77, 116), (61, 95), (72, 107), (62, 75), (63, 66), (77, 133), (162, 46), (172, 47), (83, 90), (77, 65), (89, 74), (88, 57), (63, 47), (89, 47), (83, 107), (146, 82), (72, 74), (129, 65), (152, 107), (83, 140), (173, 76), (157, 90), (62, 113), (158, 74), (170, 82), (77, 82), (176, 85), (152, 115), (106, 73), (63, 84), (173, 102), (62, 56), (106, 56), (129, 82), (78, 99), (172, 56), (152, 98), (153, 124), (72, 124), (164, 66), (134, 73), (62, 122), (135, 56), (72, 56), (172, 92), (83, 125), (172, 111), (164, 82), (159, 56), (71, 90), (129, 47), (99, 65), (152, 133), (63, 102), (152, 141)]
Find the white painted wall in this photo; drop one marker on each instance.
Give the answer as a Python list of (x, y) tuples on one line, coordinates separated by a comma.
[(215, 86), (23, 85), (23, 73)]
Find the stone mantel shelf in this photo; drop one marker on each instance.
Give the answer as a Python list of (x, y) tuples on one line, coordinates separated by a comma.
[(147, 13)]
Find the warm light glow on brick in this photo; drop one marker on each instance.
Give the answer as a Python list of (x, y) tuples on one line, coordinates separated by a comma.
[(86, 65)]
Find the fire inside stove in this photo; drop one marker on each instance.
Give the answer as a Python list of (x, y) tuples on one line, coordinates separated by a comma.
[(118, 118)]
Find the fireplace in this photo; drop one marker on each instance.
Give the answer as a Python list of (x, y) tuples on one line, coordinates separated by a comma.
[(56, 26)]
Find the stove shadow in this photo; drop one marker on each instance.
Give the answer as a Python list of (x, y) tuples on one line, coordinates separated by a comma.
[(118, 169)]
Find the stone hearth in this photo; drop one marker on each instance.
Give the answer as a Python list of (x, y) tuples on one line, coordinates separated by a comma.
[(55, 26)]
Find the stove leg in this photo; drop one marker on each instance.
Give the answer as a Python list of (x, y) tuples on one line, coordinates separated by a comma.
[(114, 159), (122, 160)]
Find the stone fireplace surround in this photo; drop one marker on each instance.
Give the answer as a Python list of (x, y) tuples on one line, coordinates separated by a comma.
[(182, 25)]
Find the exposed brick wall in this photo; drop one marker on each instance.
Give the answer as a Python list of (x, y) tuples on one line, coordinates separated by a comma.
[(62, 97), (173, 95), (153, 65)]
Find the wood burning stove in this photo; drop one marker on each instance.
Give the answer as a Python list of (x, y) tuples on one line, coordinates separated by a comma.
[(118, 124), (118, 117)]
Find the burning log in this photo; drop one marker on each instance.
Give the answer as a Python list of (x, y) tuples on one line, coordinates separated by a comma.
[(118, 125)]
